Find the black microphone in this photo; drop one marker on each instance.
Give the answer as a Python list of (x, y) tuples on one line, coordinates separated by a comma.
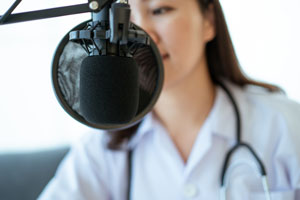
[(107, 73), (109, 87), (109, 91)]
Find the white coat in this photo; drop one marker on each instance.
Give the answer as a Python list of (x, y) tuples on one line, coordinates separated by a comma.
[(270, 124)]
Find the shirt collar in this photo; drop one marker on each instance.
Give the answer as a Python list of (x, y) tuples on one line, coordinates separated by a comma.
[(222, 116), (146, 126)]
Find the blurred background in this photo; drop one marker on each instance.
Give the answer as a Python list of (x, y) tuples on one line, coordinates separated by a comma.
[(265, 34)]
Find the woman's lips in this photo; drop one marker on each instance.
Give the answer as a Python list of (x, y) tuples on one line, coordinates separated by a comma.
[(165, 56)]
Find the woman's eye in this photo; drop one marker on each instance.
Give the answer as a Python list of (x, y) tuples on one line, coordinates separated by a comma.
[(161, 10)]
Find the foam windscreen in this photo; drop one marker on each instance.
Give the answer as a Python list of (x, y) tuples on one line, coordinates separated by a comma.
[(109, 90)]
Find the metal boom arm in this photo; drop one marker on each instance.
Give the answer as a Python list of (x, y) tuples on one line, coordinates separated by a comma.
[(91, 6)]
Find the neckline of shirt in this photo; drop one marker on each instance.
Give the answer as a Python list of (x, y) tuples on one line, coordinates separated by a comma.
[(222, 117)]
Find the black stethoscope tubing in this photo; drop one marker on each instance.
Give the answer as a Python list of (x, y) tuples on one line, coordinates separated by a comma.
[(238, 144)]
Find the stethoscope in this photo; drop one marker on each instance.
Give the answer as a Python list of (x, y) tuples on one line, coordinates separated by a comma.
[(224, 182)]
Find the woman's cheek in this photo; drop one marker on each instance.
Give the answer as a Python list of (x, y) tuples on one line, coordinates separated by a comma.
[(172, 36)]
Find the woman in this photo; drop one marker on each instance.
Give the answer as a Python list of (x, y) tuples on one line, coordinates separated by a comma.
[(180, 147)]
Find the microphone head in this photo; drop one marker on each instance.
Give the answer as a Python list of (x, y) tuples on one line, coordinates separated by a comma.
[(109, 89)]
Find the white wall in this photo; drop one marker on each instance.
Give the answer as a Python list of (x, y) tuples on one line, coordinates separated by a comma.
[(265, 34)]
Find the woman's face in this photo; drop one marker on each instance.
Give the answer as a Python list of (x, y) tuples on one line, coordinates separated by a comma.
[(180, 31)]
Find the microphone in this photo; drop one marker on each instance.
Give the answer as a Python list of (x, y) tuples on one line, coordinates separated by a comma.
[(109, 87), (109, 91)]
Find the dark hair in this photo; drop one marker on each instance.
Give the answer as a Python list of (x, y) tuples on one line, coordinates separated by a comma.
[(222, 62)]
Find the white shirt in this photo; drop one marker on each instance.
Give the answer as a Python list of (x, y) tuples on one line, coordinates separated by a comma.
[(270, 124)]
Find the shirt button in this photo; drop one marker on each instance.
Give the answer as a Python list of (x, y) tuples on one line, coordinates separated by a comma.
[(190, 190)]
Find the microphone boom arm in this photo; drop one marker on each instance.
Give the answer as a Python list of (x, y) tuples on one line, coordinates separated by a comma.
[(117, 14), (91, 6)]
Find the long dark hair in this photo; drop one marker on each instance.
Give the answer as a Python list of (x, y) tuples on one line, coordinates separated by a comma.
[(222, 62)]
